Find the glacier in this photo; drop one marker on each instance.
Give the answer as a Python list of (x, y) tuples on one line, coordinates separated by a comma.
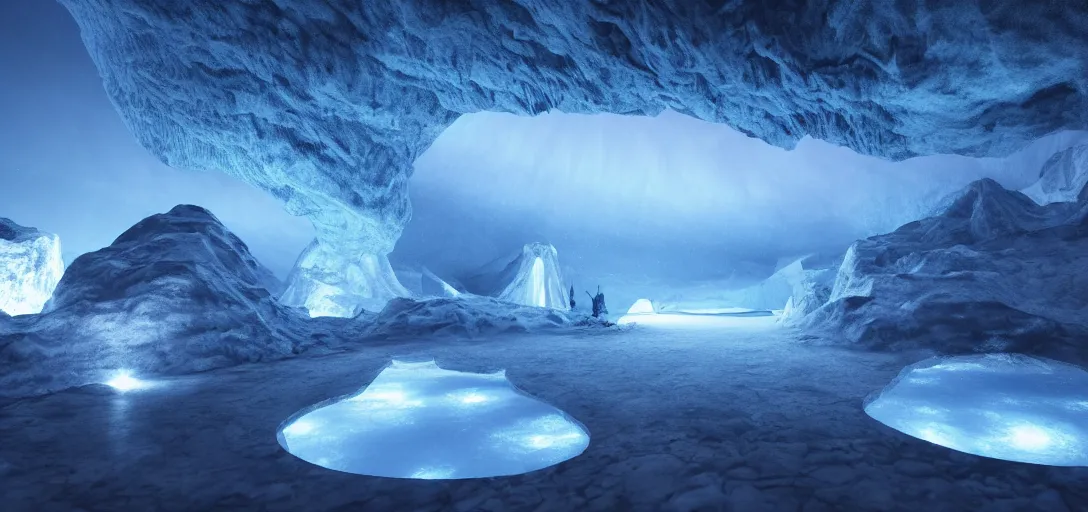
[(1004, 406), (30, 268), (417, 420)]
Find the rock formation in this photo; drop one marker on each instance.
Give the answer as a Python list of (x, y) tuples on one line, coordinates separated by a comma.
[(993, 271)]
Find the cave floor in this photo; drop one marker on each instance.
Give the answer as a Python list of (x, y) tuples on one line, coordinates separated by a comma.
[(736, 416)]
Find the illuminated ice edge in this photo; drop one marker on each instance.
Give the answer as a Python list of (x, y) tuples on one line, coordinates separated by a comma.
[(429, 364), (1018, 431)]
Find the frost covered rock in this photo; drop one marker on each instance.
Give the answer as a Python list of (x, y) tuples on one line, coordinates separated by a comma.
[(467, 316), (531, 278), (327, 282), (327, 104), (1062, 178), (175, 293), (30, 267), (993, 271)]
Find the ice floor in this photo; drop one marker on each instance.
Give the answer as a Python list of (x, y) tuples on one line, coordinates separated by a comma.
[(715, 417)]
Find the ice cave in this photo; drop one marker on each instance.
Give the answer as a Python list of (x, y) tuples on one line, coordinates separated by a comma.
[(770, 255), (417, 420)]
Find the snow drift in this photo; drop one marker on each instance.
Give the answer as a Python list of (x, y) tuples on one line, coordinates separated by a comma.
[(993, 271), (30, 268)]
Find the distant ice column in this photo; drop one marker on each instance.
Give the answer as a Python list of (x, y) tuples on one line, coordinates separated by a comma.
[(30, 268), (536, 279), (540, 293), (328, 283)]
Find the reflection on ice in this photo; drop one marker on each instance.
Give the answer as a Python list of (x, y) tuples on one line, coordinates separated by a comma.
[(416, 420), (1002, 406)]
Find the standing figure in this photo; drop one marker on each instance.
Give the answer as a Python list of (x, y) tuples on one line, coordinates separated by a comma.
[(598, 303), (572, 303)]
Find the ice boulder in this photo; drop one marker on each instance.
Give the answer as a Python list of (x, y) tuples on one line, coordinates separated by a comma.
[(329, 283), (1003, 406), (30, 268), (175, 293), (1062, 178), (416, 420), (955, 282), (531, 277)]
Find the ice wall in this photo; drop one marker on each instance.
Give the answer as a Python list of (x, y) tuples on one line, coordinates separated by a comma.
[(30, 268), (329, 283), (1062, 178)]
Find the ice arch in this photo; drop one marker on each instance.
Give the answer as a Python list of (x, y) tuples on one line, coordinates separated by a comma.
[(326, 104), (416, 420), (641, 307), (1004, 406)]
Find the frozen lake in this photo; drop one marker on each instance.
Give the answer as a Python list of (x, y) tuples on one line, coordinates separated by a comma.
[(729, 415)]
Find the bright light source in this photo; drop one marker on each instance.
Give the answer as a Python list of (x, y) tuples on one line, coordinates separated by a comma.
[(641, 307), (124, 381), (539, 293), (416, 420), (1003, 406)]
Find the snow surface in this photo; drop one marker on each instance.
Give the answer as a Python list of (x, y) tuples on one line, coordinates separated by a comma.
[(328, 282), (641, 307), (469, 316), (30, 268), (1003, 406), (1062, 178), (416, 420), (992, 271)]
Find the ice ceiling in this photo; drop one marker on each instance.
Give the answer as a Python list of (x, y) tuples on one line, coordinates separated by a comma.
[(416, 420), (327, 104)]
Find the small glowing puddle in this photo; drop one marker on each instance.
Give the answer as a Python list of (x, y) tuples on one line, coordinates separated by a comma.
[(1003, 406), (416, 420)]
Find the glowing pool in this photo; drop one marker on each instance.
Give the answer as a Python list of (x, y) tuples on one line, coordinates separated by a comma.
[(1004, 406), (416, 420)]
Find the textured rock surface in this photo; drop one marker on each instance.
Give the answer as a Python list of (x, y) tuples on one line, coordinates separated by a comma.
[(993, 271), (326, 104), (30, 267), (176, 293), (467, 316), (1062, 177)]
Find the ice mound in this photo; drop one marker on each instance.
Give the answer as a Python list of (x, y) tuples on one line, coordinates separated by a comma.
[(1002, 406), (531, 278), (327, 282), (641, 307), (1062, 178), (30, 268), (175, 293), (416, 420), (466, 316), (955, 282)]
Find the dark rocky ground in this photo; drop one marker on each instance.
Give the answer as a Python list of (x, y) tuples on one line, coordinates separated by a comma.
[(730, 417)]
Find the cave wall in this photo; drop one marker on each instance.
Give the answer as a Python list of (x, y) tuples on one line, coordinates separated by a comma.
[(327, 104)]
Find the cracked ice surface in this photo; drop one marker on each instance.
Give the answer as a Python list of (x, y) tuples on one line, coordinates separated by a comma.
[(416, 420), (30, 268), (1003, 406)]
